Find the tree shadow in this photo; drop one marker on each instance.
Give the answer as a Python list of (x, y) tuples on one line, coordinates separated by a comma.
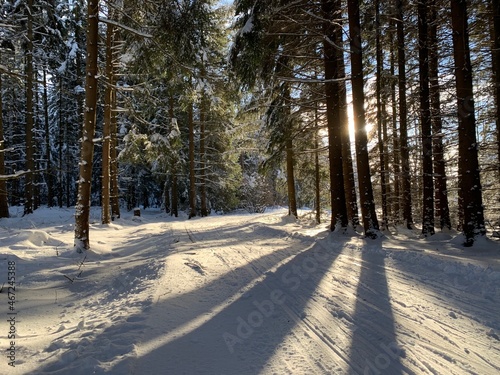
[(374, 347), (242, 337), (114, 345)]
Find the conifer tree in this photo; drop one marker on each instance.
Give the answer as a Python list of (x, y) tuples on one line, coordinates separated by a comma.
[(30, 162), (495, 5), (4, 204), (332, 31), (82, 216), (403, 118), (369, 217), (440, 185), (468, 167), (425, 120)]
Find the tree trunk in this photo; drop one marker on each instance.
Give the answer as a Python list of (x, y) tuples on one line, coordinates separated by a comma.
[(30, 162), (37, 155), (173, 163), (380, 119), (115, 190), (370, 222), (317, 182), (106, 132), (441, 191), (48, 164), (175, 194), (60, 185), (192, 177), (347, 165), (82, 214), (469, 178), (166, 195), (495, 4), (4, 204), (331, 9), (396, 161), (203, 191), (403, 121), (425, 120), (290, 178)]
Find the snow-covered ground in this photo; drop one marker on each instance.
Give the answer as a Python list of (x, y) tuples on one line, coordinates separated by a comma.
[(243, 294)]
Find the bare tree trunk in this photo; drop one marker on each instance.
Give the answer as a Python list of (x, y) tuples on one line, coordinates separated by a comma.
[(290, 177), (115, 190), (48, 165), (495, 4), (317, 181), (425, 120), (370, 222), (82, 214), (347, 165), (380, 119), (4, 204), (192, 177), (166, 195), (469, 177), (175, 194), (441, 190), (60, 186), (203, 191), (106, 132), (30, 162), (396, 161), (403, 121), (173, 164), (330, 9)]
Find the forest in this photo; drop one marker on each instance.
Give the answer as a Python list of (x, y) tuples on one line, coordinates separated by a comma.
[(374, 114)]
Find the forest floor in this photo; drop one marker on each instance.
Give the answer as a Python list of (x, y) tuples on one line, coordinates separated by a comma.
[(243, 294)]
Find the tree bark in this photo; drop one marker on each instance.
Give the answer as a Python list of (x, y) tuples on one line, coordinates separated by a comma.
[(396, 161), (403, 121), (495, 4), (173, 164), (441, 190), (30, 162), (192, 177), (317, 181), (469, 177), (380, 117), (4, 204), (82, 214), (60, 182), (347, 165), (370, 222), (48, 164), (114, 187), (203, 190), (425, 120), (330, 9), (106, 132), (290, 178)]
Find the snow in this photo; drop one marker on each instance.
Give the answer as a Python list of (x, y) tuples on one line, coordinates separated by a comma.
[(244, 294), (248, 26)]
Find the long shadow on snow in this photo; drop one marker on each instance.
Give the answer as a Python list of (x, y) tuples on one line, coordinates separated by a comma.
[(453, 288), (374, 347), (96, 349), (244, 335)]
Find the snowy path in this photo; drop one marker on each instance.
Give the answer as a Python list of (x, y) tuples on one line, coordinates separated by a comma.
[(276, 303), (249, 294)]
